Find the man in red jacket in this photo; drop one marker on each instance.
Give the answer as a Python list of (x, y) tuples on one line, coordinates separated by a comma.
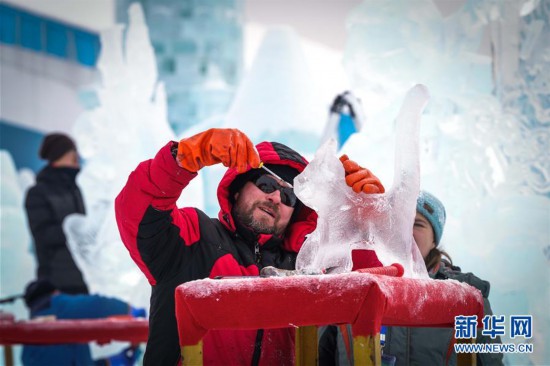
[(261, 223)]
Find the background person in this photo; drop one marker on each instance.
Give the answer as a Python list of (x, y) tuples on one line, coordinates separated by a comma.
[(261, 223), (43, 299), (55, 196), (413, 345)]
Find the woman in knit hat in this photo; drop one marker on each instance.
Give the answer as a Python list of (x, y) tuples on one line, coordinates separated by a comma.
[(59, 150), (54, 197), (428, 229)]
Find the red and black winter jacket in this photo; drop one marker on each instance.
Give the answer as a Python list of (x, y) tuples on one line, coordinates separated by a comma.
[(174, 245)]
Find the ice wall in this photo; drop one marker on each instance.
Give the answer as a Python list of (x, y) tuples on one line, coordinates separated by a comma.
[(484, 137), (277, 98), (128, 126), (17, 264), (198, 47)]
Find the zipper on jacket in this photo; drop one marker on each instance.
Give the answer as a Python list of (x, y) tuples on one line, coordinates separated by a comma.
[(257, 254), (257, 347)]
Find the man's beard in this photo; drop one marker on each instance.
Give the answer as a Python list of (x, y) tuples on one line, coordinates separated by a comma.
[(260, 226)]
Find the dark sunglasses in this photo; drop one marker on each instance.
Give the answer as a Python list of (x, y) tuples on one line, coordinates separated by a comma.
[(268, 184)]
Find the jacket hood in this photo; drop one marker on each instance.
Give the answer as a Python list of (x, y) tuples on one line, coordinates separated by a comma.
[(273, 153)]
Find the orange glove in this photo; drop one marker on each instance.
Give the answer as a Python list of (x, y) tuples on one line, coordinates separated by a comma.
[(230, 147), (359, 178)]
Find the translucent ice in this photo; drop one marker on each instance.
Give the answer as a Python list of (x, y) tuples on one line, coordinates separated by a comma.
[(381, 222), (485, 135), (17, 265), (129, 126), (277, 98)]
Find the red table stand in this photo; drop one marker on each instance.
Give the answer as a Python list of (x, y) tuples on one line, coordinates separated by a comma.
[(364, 300), (43, 332)]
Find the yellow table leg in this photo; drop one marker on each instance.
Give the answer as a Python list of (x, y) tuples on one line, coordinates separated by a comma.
[(192, 355), (466, 359), (306, 346), (367, 350), (8, 355)]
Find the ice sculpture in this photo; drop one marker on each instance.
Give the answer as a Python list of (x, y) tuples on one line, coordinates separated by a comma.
[(128, 126), (17, 264), (380, 222)]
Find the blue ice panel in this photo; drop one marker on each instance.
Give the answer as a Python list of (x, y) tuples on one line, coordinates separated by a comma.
[(56, 39), (22, 144), (87, 47), (8, 25), (31, 35)]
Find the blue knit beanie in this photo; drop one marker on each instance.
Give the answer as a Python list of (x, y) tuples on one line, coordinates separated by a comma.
[(433, 210)]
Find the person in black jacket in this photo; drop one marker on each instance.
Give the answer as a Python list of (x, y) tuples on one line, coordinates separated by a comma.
[(46, 303), (261, 223), (55, 196)]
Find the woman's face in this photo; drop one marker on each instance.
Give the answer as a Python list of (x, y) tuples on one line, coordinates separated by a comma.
[(68, 160), (423, 234)]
